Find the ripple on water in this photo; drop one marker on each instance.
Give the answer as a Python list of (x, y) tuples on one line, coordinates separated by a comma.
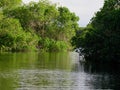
[(51, 80)]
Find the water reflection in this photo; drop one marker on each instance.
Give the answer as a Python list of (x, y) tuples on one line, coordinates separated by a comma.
[(54, 71), (104, 77)]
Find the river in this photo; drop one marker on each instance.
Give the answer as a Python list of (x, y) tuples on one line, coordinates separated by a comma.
[(53, 71)]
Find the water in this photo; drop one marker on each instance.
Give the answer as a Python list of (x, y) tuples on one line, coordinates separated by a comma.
[(53, 71)]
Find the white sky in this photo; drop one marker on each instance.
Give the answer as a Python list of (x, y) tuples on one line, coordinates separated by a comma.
[(85, 9)]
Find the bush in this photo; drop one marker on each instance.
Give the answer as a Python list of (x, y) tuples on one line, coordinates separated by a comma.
[(14, 38), (52, 45)]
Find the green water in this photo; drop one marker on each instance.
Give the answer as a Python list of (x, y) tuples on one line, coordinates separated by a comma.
[(51, 71), (32, 70)]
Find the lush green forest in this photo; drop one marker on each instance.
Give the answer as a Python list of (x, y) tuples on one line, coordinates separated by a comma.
[(45, 26), (100, 40), (35, 26)]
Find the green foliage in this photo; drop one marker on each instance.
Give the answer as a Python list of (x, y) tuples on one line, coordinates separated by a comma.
[(34, 15), (13, 38), (67, 22), (9, 3), (23, 25), (52, 45), (101, 42), (47, 21), (78, 39)]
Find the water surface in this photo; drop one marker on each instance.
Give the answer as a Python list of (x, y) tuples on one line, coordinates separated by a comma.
[(53, 71)]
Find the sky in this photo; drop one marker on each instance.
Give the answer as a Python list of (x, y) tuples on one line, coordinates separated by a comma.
[(85, 9)]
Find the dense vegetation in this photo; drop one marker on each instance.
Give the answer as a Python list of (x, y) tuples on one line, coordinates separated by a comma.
[(37, 25), (100, 40), (45, 26)]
